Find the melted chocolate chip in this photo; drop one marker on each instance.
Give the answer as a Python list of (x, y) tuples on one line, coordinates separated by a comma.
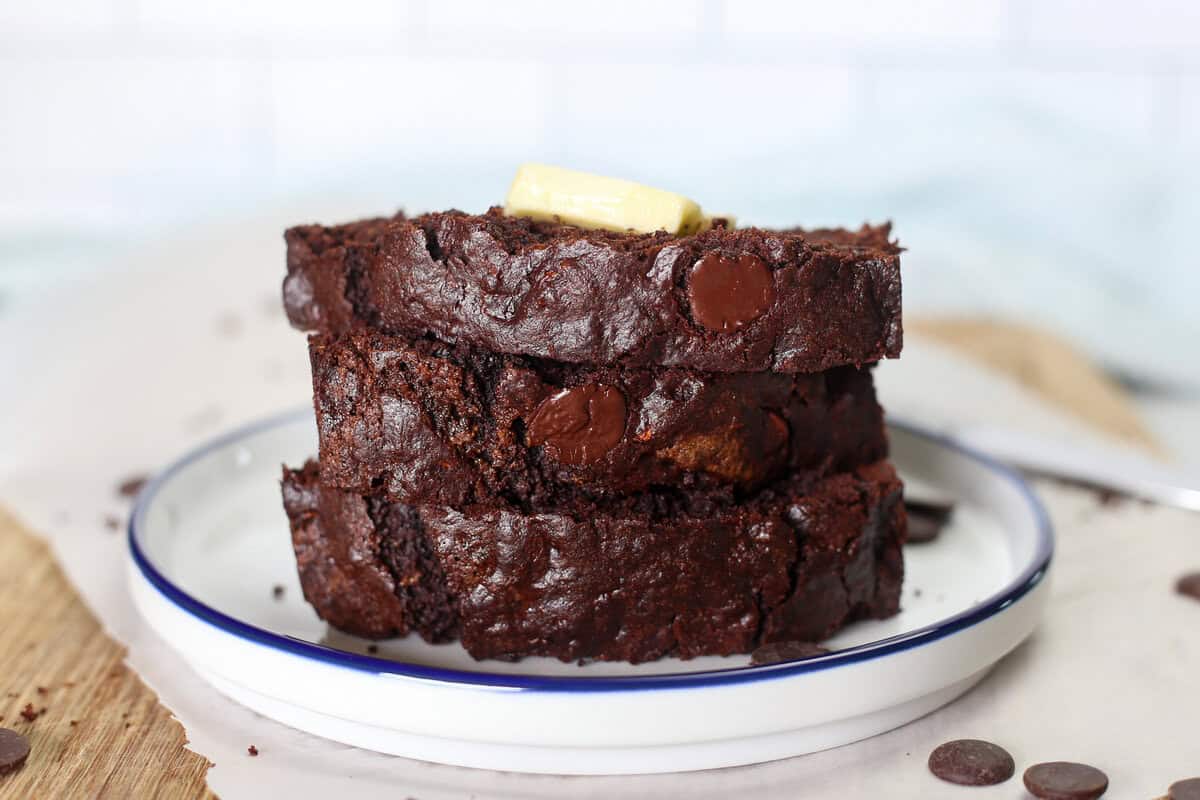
[(776, 652), (1188, 789), (971, 762), (14, 749), (1065, 780), (926, 518), (579, 425), (1189, 585), (727, 293)]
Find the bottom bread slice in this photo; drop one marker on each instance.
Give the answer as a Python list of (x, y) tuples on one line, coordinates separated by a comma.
[(655, 575)]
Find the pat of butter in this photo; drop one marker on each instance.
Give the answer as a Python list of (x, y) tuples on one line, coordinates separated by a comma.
[(594, 201)]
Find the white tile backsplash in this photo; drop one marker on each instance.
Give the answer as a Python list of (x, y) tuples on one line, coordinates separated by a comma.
[(342, 114), (564, 22), (1030, 144), (119, 114), (57, 18), (876, 22), (1166, 24), (344, 22), (692, 117)]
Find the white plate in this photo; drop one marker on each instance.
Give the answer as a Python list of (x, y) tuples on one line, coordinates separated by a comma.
[(209, 541)]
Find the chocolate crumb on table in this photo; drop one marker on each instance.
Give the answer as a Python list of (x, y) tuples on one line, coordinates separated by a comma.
[(1189, 585), (14, 749), (1187, 789), (277, 591), (1065, 780), (971, 762), (131, 486), (372, 649), (29, 713), (252, 750)]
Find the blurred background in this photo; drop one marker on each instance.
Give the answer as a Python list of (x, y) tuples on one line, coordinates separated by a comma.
[(1039, 158)]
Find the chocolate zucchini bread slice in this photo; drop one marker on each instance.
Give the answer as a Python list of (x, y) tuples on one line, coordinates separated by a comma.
[(365, 565), (422, 422), (638, 578), (722, 300)]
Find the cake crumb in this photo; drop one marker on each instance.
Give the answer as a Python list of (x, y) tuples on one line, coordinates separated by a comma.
[(42, 690), (74, 722), (112, 522), (131, 486), (229, 325), (277, 591), (28, 712), (252, 750), (372, 649)]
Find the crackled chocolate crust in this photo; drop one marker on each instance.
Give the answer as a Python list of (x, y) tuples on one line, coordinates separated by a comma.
[(635, 579), (723, 300), (426, 423)]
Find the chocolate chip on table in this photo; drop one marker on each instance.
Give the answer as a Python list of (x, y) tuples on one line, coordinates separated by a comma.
[(971, 762), (776, 652), (14, 749), (1189, 585), (1187, 789), (1065, 780), (131, 486), (926, 518)]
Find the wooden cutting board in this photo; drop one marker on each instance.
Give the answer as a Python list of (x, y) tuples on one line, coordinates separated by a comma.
[(98, 731)]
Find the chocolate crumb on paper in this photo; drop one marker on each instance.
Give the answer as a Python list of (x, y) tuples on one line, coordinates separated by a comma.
[(277, 591), (1189, 585), (252, 750), (229, 325), (132, 486)]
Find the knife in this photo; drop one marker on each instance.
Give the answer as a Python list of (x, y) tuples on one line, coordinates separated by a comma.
[(1097, 465)]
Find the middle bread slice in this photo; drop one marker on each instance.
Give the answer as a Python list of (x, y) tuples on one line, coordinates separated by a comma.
[(424, 422)]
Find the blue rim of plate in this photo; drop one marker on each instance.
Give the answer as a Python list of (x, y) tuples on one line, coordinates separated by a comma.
[(1029, 578)]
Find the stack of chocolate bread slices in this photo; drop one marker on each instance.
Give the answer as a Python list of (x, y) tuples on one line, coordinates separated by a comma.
[(542, 439)]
